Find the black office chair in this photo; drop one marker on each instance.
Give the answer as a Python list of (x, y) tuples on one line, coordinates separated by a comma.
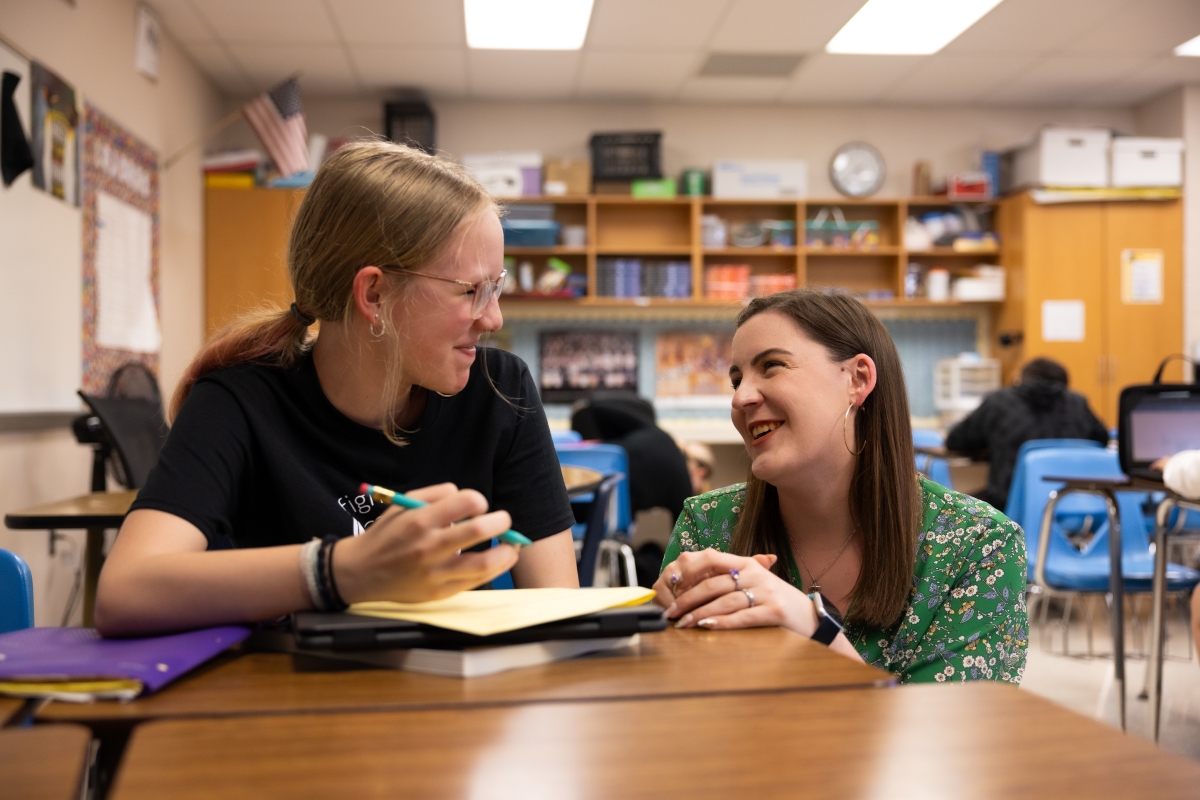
[(128, 423)]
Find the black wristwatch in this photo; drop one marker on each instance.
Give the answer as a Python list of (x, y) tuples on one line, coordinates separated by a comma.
[(828, 626)]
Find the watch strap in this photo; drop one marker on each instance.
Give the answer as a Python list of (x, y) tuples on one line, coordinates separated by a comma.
[(827, 627)]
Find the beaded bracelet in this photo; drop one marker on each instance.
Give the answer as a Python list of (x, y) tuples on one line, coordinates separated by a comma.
[(327, 583)]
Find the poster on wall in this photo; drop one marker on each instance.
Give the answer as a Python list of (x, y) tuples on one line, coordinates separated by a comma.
[(574, 364), (692, 369), (120, 251), (55, 134)]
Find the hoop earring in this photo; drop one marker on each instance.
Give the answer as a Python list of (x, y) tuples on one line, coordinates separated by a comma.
[(382, 328), (845, 440)]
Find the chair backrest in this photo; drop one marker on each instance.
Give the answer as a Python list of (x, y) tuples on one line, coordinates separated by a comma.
[(936, 469), (598, 525), (1076, 462), (137, 431), (565, 437), (16, 593), (927, 437), (1016, 490), (605, 459)]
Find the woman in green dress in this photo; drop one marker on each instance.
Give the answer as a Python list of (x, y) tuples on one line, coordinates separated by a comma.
[(835, 535)]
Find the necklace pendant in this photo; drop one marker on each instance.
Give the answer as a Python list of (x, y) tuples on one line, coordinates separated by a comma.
[(814, 589)]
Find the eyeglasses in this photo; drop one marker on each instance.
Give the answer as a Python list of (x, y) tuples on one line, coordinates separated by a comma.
[(484, 291)]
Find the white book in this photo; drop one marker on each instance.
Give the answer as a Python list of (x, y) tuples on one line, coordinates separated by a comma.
[(474, 662)]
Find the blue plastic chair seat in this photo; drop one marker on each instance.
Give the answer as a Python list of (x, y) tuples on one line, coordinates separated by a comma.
[(1091, 575)]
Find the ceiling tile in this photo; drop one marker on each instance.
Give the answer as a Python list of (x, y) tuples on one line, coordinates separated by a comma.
[(1152, 79), (947, 79), (438, 72), (215, 62), (1063, 80), (634, 74), (181, 20), (1152, 28), (535, 74), (837, 78), (1032, 26), (782, 26), (414, 22), (268, 20), (628, 24), (323, 69), (732, 90)]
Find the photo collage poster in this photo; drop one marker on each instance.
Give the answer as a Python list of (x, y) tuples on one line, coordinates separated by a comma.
[(574, 364), (121, 242), (692, 368)]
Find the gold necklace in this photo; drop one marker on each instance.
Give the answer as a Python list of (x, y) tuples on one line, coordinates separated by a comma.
[(815, 586)]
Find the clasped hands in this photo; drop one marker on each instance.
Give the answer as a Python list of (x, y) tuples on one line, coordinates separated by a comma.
[(716, 590)]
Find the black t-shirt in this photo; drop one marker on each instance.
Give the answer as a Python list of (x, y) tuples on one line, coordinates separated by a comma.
[(258, 456)]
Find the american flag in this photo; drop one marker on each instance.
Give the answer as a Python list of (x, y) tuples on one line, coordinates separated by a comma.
[(278, 120)]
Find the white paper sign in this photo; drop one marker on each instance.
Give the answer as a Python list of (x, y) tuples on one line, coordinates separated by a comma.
[(149, 40), (1062, 320), (1142, 277), (126, 318)]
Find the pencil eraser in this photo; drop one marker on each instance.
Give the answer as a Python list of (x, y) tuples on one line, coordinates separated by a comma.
[(364, 488)]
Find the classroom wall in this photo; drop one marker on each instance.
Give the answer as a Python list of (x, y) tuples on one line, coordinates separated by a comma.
[(91, 44)]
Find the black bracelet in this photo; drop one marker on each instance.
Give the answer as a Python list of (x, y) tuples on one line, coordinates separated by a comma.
[(328, 583)]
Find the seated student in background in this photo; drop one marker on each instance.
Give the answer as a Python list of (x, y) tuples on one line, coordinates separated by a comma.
[(930, 583), (1038, 406), (399, 255)]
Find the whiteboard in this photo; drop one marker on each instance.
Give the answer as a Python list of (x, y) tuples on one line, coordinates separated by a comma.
[(41, 285)]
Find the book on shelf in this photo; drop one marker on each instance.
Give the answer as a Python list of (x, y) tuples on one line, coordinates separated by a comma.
[(633, 277)]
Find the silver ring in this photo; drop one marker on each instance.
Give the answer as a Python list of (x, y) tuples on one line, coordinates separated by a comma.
[(749, 596), (737, 585)]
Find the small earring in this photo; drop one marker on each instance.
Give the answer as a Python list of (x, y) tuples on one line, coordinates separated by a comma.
[(382, 328), (845, 439)]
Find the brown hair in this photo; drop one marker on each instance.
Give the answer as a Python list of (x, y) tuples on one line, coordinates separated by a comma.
[(371, 202), (885, 498)]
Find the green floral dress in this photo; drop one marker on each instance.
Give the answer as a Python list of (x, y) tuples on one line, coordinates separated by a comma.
[(966, 617)]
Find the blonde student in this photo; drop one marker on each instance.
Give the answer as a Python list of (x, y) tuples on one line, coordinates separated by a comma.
[(835, 535), (253, 509)]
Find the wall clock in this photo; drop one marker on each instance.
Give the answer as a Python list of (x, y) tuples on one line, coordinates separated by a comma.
[(857, 169)]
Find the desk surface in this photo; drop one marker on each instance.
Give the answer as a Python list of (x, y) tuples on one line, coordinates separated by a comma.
[(673, 662), (8, 707), (43, 762), (580, 480), (980, 740), (96, 510)]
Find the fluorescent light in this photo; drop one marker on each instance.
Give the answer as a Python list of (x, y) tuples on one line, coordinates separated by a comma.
[(1189, 48), (527, 24), (907, 27)]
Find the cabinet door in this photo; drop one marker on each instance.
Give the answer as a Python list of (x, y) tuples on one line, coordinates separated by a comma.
[(1140, 334), (245, 259), (1064, 261)]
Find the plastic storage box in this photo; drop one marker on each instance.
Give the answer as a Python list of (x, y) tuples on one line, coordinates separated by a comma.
[(961, 383), (530, 232), (1144, 161), (1062, 157), (626, 156)]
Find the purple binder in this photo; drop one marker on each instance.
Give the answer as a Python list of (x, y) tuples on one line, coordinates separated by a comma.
[(80, 653)]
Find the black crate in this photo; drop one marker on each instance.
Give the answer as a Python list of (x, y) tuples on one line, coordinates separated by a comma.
[(626, 156)]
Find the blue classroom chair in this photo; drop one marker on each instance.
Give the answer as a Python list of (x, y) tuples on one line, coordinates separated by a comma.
[(565, 437), (16, 593), (605, 459), (1016, 489), (936, 469)]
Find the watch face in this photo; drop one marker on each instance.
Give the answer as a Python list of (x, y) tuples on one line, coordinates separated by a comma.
[(857, 169)]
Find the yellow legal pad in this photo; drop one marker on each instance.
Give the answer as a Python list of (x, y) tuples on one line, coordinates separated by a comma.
[(486, 613)]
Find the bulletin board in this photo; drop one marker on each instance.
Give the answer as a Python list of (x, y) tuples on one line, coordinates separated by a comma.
[(121, 240)]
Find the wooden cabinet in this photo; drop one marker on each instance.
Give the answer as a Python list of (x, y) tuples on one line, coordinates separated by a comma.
[(1073, 252)]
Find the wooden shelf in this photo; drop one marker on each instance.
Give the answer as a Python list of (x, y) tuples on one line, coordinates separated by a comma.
[(942, 200), (950, 251), (882, 250), (765, 250), (578, 199), (646, 250), (558, 250)]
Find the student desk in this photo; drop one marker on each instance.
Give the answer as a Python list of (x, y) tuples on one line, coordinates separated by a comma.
[(44, 762), (669, 663), (978, 740), (95, 512), (9, 706)]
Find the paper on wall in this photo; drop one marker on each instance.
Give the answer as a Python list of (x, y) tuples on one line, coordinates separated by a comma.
[(126, 318), (1062, 320), (1142, 276)]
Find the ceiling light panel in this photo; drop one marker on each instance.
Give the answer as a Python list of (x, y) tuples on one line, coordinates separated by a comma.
[(907, 27), (1189, 48), (527, 24)]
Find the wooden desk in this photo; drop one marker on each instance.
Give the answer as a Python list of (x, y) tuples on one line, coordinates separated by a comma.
[(43, 762), (979, 741), (94, 512), (580, 480), (670, 663), (8, 707)]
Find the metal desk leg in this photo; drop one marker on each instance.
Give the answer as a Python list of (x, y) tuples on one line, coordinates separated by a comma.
[(1116, 582), (93, 558), (1155, 665)]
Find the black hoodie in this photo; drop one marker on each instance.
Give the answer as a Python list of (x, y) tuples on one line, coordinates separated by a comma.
[(1010, 417)]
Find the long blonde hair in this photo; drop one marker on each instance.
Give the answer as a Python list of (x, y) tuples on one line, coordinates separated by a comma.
[(371, 203), (885, 498)]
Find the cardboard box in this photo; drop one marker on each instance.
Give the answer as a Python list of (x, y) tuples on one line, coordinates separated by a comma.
[(1063, 157), (1145, 161), (570, 176), (760, 179), (506, 174)]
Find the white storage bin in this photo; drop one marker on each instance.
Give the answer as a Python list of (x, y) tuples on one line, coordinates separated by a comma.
[(1145, 161), (760, 179), (960, 384), (1064, 157)]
